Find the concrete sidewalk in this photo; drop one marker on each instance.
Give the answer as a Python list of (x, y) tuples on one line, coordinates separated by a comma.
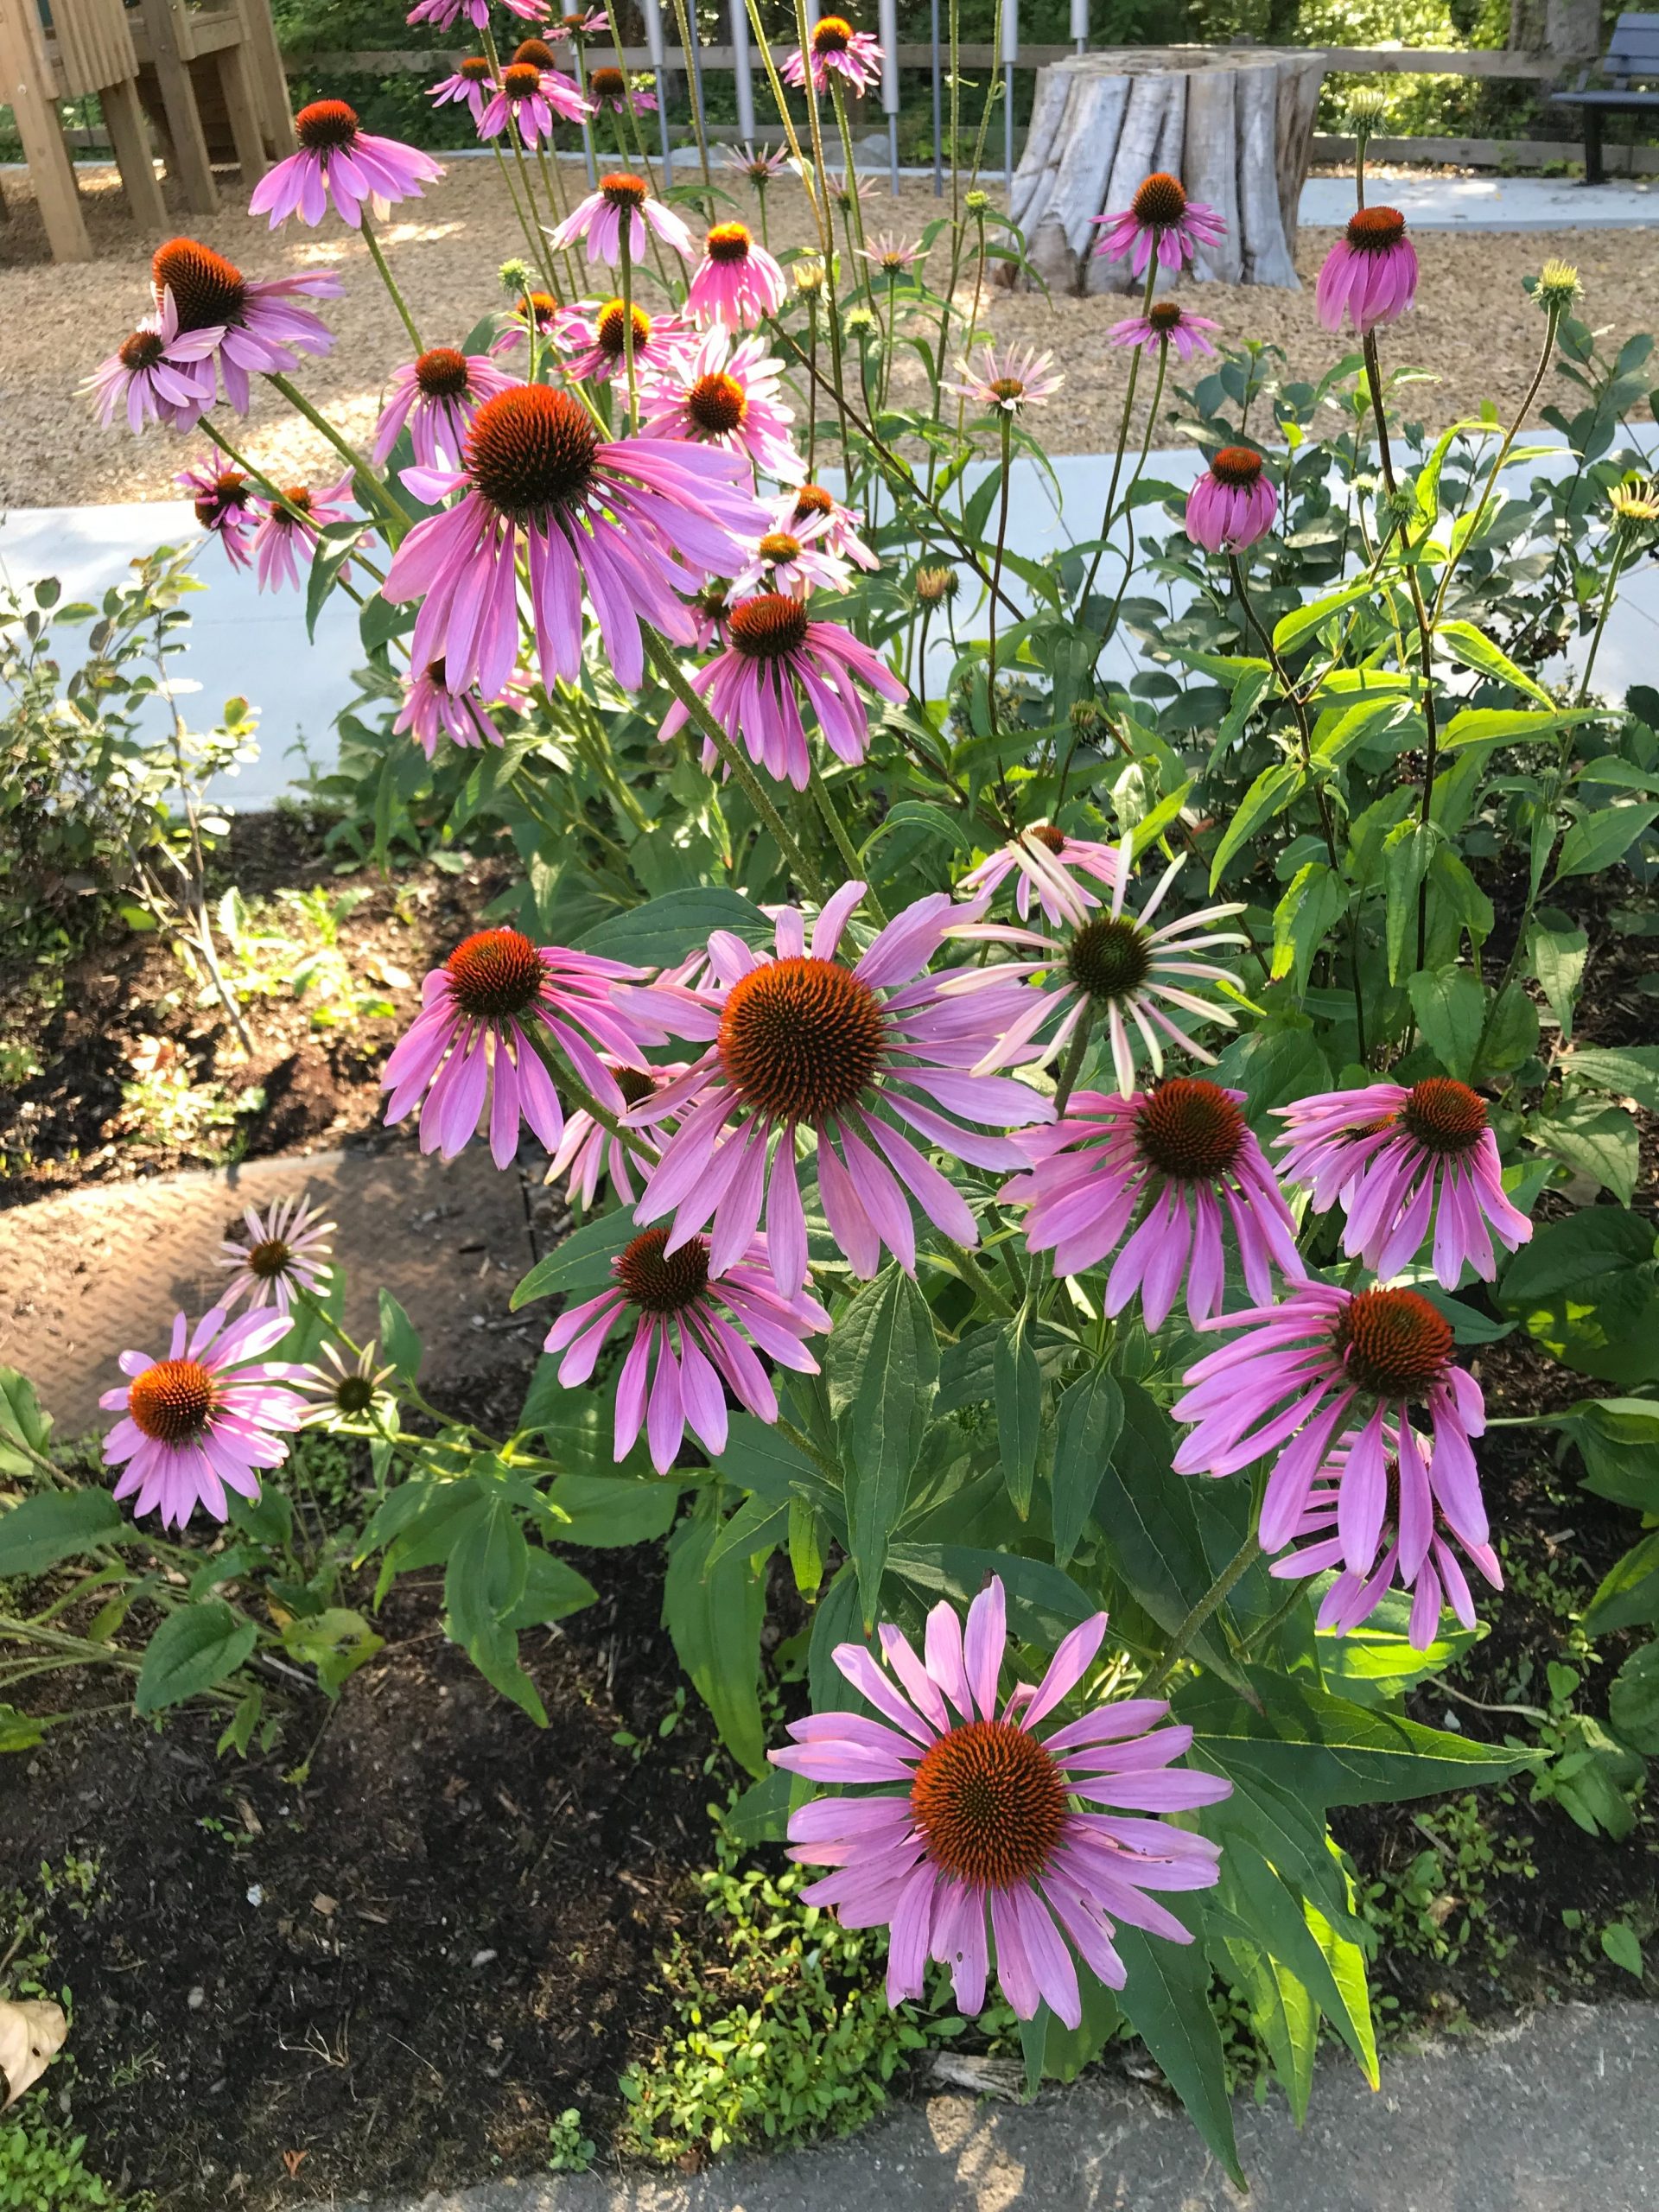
[(1553, 2114)]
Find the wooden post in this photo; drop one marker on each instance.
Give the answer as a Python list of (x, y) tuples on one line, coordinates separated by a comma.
[(267, 80), (170, 47), (245, 134), (26, 88), (124, 115)]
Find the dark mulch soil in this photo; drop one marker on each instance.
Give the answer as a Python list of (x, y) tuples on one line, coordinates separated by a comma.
[(128, 1008), (393, 1975)]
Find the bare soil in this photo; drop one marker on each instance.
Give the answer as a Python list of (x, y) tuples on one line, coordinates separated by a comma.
[(58, 322)]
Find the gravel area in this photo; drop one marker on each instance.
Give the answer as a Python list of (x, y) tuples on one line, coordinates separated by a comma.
[(1472, 326)]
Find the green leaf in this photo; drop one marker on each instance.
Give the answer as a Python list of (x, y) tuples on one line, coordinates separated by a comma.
[(193, 1650), (1584, 1288), (1628, 1593), (608, 1512), (883, 1368), (1625, 1070), (1476, 650), (1633, 1700), (1086, 1424), (22, 1423), (1272, 791), (714, 1615), (1167, 2002), (55, 1524), (1558, 956), (580, 1264), (1618, 1441), (1619, 1943), (553, 1590), (1018, 1391), (489, 1564), (1273, 1067), (1450, 1004), (664, 929), (1328, 1750), (1316, 900), (1377, 1661), (22, 1731), (336, 1642), (1043, 1604), (399, 1339), (759, 1457), (1511, 1032), (1406, 851), (1283, 2017), (1596, 840), (1302, 621), (1510, 725), (1603, 1144)]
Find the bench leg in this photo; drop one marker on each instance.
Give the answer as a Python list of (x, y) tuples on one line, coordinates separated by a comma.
[(124, 119), (1593, 172), (190, 163), (245, 134)]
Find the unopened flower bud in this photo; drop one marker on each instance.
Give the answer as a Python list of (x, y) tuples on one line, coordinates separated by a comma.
[(516, 278), (977, 203), (809, 277), (1558, 287), (1086, 717), (1367, 110), (859, 322)]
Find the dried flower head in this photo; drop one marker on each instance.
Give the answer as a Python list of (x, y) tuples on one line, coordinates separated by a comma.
[(934, 584)]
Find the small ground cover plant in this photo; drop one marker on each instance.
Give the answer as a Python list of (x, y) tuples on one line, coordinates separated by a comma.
[(1053, 1150)]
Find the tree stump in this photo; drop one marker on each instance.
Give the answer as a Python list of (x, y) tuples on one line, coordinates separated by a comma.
[(1235, 125)]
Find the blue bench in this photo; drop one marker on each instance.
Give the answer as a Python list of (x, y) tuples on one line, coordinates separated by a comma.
[(1632, 55)]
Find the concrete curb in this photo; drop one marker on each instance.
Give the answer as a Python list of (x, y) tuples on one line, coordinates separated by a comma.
[(1553, 2113)]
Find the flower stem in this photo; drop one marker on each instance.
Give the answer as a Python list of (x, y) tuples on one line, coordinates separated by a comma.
[(1620, 542), (1123, 439), (997, 575), (668, 668), (843, 843), (976, 1279), (1233, 1573), (359, 467), (839, 99), (624, 255), (389, 282), (1075, 1053)]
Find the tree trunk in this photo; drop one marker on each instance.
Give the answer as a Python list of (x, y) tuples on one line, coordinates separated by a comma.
[(1236, 125)]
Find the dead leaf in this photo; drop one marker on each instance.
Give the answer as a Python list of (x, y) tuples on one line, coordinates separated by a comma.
[(326, 1905), (31, 2035)]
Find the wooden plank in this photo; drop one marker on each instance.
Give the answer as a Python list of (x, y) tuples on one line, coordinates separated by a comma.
[(246, 135), (1210, 169), (168, 31), (27, 88), (266, 79), (1505, 154), (129, 136), (1266, 253), (1385, 60)]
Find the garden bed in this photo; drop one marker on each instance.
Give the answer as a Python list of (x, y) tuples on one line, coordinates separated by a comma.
[(445, 254)]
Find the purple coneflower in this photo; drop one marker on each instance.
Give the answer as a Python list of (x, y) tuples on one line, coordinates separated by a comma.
[(292, 524), (1009, 382), (435, 398), (339, 159), (540, 309), (1394, 1156), (470, 1039), (431, 710), (801, 1042), (1165, 323), (473, 81), (834, 45), (1161, 219), (983, 1819), (1041, 859), (159, 374), (713, 1313), (760, 165), (588, 1151), (728, 394), (283, 1253), (599, 220), (1370, 274), (1233, 503), (780, 562), (892, 256), (532, 101), (1417, 1541), (338, 1393), (773, 652), (204, 1418), (262, 328), (1182, 1160), (541, 479), (661, 342), (224, 505), (809, 512), (1303, 1372), (1116, 965), (737, 282), (611, 94), (579, 25), (442, 14)]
